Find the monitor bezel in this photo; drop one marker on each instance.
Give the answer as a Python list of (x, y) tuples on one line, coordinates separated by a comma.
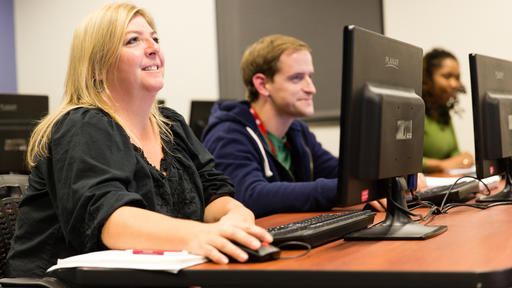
[(400, 72), (347, 183), (20, 114)]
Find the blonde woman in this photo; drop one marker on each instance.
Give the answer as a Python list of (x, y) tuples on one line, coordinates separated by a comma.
[(111, 170)]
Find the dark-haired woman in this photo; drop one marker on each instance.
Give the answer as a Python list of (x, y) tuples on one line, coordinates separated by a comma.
[(441, 84)]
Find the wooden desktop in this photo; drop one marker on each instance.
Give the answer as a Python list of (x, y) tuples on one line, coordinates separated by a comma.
[(475, 251)]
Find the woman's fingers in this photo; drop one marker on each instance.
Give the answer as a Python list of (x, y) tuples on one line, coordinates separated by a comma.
[(220, 240)]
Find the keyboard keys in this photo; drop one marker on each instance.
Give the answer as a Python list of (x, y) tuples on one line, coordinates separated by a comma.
[(322, 228)]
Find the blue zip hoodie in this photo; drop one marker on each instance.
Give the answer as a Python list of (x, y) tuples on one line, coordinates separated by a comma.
[(262, 183)]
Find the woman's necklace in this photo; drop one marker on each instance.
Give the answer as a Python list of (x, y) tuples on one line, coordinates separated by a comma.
[(131, 135), (134, 139)]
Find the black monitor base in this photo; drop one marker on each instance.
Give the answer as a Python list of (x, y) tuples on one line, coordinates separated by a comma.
[(397, 225), (411, 231), (503, 195)]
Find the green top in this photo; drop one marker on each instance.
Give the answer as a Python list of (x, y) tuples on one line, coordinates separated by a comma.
[(439, 140), (282, 152)]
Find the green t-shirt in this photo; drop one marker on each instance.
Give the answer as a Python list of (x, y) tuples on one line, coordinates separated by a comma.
[(282, 152), (439, 140)]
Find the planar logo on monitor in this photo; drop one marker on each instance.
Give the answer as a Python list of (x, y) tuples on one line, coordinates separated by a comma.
[(499, 75), (8, 107), (15, 144), (391, 62)]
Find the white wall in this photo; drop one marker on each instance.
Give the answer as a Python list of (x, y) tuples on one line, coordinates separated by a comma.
[(187, 30), (460, 26), (329, 136)]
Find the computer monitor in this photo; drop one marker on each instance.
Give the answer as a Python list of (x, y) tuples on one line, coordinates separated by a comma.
[(199, 114), (381, 130), (19, 115), (491, 90)]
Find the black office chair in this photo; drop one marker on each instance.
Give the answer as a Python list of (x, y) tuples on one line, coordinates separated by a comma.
[(199, 114), (12, 188), (8, 211)]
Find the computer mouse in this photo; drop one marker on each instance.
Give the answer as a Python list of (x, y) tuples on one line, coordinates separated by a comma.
[(266, 252)]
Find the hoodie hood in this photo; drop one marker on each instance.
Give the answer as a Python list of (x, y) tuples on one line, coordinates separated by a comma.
[(230, 111), (238, 112)]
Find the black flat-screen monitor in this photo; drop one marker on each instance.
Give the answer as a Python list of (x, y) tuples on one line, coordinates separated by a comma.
[(491, 90), (381, 130), (19, 115)]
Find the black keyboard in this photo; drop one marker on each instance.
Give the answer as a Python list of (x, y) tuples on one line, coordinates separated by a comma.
[(323, 228), (461, 192)]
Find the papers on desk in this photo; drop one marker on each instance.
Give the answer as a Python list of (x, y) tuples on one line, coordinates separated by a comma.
[(441, 181), (463, 171), (129, 259)]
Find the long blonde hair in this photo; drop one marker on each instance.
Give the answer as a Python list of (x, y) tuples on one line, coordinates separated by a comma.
[(96, 46)]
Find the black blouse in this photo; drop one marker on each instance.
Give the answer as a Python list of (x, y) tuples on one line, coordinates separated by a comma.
[(94, 169)]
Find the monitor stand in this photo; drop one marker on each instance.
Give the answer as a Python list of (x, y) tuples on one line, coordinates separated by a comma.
[(397, 225), (503, 195)]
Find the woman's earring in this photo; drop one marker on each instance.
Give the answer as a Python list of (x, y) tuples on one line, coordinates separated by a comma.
[(97, 85)]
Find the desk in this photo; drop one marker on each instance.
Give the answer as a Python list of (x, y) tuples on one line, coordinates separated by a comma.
[(476, 251)]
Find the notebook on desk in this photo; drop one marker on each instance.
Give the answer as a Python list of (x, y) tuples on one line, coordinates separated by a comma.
[(169, 261), (441, 181)]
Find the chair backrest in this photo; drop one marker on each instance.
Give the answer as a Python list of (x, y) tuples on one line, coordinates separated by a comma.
[(12, 188), (13, 184), (8, 213), (199, 114)]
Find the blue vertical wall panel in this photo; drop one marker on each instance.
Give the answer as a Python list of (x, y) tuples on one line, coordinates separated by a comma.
[(7, 48)]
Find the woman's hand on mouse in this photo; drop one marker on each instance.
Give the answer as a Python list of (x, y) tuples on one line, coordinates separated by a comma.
[(220, 235)]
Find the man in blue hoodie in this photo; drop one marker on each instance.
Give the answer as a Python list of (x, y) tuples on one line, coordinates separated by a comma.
[(274, 160)]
